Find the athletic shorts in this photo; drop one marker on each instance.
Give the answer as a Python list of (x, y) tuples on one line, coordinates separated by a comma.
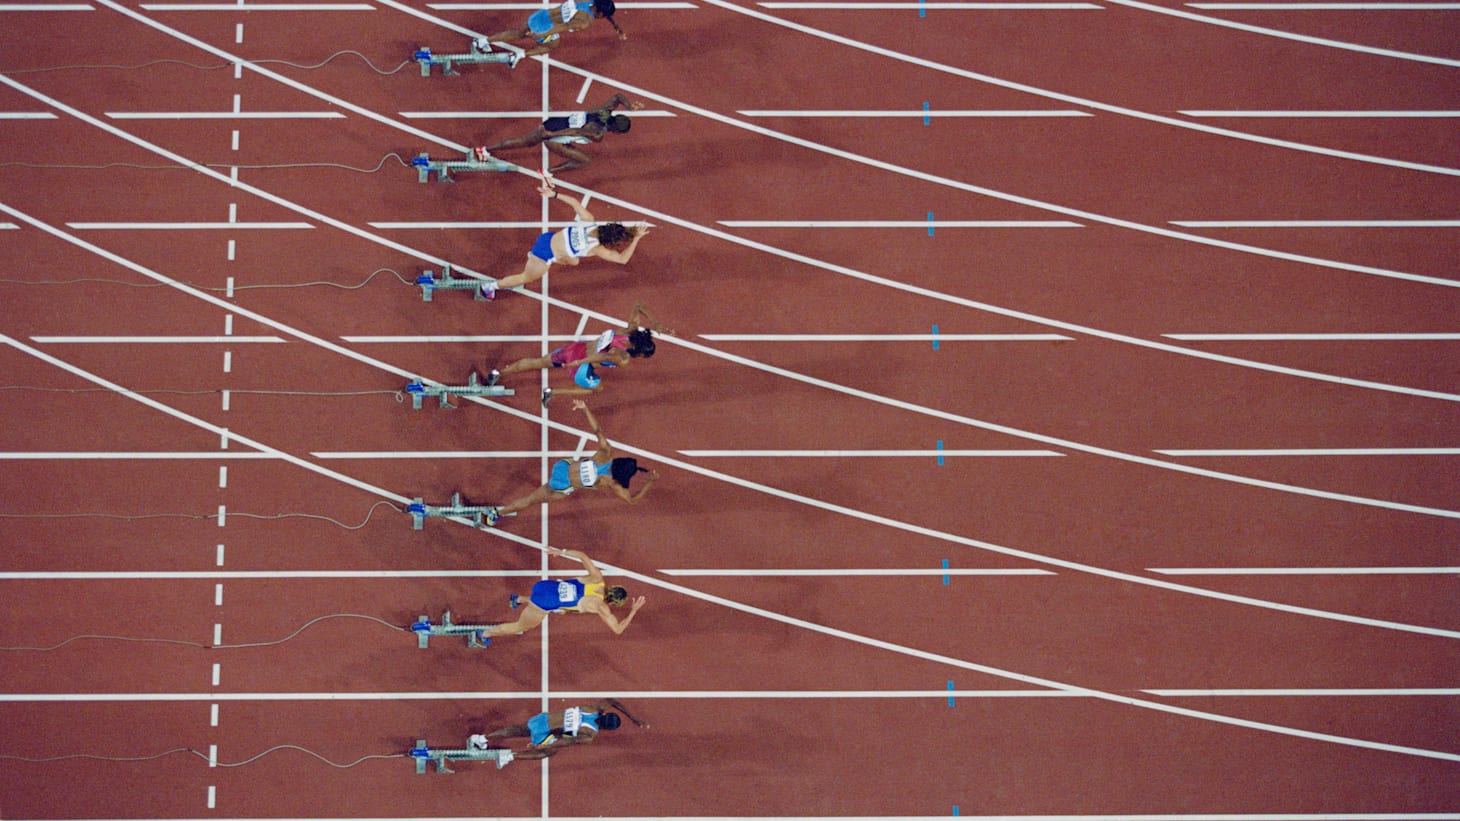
[(538, 726), (541, 22), (571, 352), (543, 248), (560, 479)]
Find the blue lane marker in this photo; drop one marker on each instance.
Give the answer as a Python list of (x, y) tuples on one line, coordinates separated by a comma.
[(922, 12), (950, 692), (927, 119), (945, 574), (955, 809), (930, 223), (935, 327), (940, 446)]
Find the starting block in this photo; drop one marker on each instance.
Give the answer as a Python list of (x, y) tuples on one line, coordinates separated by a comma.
[(424, 630), (475, 750), (424, 166), (420, 511), (477, 55), (430, 284), (418, 391)]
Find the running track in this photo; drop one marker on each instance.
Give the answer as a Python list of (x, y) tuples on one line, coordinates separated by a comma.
[(1062, 422)]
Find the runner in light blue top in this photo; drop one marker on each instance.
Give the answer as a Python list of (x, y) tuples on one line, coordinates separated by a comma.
[(546, 26), (550, 732)]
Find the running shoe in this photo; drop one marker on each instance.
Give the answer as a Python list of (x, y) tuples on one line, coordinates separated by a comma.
[(493, 377), (493, 516), (514, 600), (487, 290), (547, 394)]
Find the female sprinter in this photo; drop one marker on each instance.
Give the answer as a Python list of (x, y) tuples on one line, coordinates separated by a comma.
[(588, 595), (546, 26), (609, 241), (598, 472), (610, 349)]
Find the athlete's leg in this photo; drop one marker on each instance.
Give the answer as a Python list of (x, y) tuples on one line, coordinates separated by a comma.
[(515, 731), (576, 158), (534, 270), (530, 364), (510, 34), (540, 496), (532, 616), (536, 137)]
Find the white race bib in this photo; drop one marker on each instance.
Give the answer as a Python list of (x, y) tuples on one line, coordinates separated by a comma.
[(567, 592), (577, 119), (572, 720), (567, 10)]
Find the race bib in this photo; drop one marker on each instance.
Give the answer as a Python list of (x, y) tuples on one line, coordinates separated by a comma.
[(567, 10), (577, 119), (567, 592), (572, 720), (603, 341)]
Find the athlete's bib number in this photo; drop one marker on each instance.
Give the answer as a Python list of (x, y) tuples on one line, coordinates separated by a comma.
[(567, 10), (572, 720), (567, 592)]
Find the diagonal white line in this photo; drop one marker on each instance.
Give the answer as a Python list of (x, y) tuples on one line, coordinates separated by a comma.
[(811, 626), (1068, 326)]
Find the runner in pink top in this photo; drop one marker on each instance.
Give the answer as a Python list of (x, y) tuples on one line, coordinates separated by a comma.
[(610, 349)]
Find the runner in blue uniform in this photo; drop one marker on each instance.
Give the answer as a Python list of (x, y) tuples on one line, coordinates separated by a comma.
[(590, 594), (585, 239), (545, 27), (550, 732)]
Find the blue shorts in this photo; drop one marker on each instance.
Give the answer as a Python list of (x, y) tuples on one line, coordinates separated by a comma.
[(538, 726), (548, 594), (560, 479), (543, 248), (540, 21)]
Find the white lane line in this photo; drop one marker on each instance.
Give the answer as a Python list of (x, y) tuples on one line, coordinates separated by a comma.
[(1304, 571), (730, 237), (437, 226), (220, 555), (182, 226), (512, 115), (1318, 452), (223, 475), (590, 695), (899, 224), (213, 716), (648, 4), (441, 454), (1372, 337), (218, 595), (855, 571), (862, 454), (217, 634), (57, 454), (26, 115), (1365, 692), (1099, 106), (147, 340), (46, 7), (930, 6), (154, 575), (442, 338), (217, 674), (1324, 114), (1317, 223), (1326, 6), (257, 7), (940, 337), (842, 510), (225, 115), (911, 113), (1287, 35), (749, 363), (212, 796), (723, 602)]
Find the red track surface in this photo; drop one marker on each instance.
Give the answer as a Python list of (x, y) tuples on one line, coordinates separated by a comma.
[(728, 668)]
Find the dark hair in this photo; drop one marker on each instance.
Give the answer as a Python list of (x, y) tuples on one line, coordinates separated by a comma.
[(641, 343), (613, 234), (619, 124), (609, 721), (623, 469), (605, 7), (615, 596)]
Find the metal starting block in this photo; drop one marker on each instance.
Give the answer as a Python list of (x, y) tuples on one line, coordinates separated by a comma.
[(424, 630), (420, 511), (477, 55), (424, 165), (471, 752), (419, 390), (430, 284)]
